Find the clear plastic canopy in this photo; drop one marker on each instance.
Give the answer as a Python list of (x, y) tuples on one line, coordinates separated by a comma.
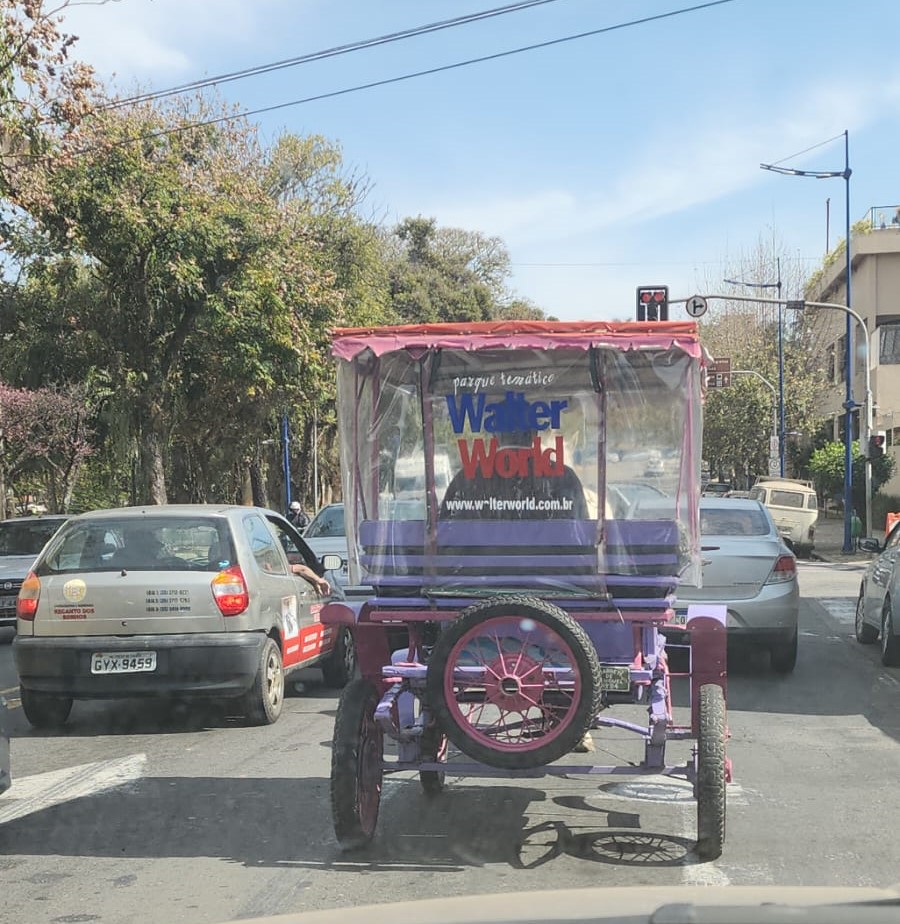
[(556, 458)]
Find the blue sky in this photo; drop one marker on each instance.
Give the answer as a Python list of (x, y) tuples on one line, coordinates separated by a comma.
[(605, 163)]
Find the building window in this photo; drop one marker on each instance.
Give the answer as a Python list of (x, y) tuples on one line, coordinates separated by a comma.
[(889, 344), (831, 364)]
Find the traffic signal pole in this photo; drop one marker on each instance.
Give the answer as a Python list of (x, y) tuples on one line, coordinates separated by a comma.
[(800, 305)]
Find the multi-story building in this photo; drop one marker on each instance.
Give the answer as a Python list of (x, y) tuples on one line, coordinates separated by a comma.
[(875, 296)]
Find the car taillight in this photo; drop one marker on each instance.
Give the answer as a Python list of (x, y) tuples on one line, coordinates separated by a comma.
[(29, 595), (230, 591), (785, 570)]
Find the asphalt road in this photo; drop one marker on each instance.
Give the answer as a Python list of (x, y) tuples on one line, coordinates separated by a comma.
[(136, 814)]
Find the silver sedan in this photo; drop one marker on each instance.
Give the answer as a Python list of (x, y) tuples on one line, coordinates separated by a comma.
[(748, 568)]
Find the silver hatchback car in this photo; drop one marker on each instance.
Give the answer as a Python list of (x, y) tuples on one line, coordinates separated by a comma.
[(178, 601)]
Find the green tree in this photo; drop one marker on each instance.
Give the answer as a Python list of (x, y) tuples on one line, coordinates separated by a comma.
[(736, 434), (446, 274), (208, 308), (827, 466)]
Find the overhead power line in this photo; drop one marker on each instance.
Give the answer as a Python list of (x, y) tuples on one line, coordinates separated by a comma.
[(327, 53), (189, 126)]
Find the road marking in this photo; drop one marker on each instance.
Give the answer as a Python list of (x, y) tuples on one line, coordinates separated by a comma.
[(694, 872), (43, 790), (843, 609)]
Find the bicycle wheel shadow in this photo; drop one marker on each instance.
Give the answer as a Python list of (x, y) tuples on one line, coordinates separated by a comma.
[(550, 840)]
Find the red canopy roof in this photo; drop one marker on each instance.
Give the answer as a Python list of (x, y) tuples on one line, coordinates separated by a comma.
[(495, 335)]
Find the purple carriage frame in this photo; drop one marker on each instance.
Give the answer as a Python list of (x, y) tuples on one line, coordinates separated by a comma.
[(391, 630)]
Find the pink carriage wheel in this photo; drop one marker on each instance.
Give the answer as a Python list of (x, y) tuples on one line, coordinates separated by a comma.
[(357, 757), (514, 682)]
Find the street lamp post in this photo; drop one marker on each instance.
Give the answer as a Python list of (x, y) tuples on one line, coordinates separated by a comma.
[(848, 403), (866, 425), (777, 287)]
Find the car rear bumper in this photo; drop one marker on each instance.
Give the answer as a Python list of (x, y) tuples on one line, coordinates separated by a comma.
[(213, 664), (768, 618)]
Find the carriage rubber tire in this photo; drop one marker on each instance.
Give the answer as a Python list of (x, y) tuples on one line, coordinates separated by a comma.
[(340, 667), (263, 702), (865, 634), (433, 742), (783, 656), (711, 773), (890, 642), (353, 826), (586, 663), (45, 710)]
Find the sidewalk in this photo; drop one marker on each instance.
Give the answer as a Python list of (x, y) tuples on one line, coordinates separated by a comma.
[(830, 541)]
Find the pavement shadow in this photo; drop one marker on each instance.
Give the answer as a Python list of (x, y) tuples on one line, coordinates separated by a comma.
[(169, 716), (834, 676), (286, 823)]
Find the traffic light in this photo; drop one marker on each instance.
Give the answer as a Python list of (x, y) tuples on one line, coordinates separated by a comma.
[(653, 303), (877, 442)]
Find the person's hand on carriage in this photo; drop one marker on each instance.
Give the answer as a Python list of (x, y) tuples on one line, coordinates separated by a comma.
[(320, 585)]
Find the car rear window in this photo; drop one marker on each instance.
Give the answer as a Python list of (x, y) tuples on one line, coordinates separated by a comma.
[(328, 523), (787, 499), (733, 523), (26, 538), (145, 544)]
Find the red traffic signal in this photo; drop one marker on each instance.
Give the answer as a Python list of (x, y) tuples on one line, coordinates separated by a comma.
[(653, 303)]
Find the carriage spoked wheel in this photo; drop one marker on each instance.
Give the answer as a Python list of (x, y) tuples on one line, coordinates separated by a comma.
[(514, 682), (710, 773), (357, 756)]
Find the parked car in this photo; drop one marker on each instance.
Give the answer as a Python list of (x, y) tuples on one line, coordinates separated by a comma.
[(175, 600), (794, 508), (327, 534), (748, 568), (21, 539), (717, 488), (878, 604)]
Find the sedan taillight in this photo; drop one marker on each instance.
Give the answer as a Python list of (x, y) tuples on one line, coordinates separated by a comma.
[(29, 595), (230, 591), (785, 570)]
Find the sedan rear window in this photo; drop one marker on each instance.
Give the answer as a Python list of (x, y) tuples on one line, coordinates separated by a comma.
[(327, 523), (733, 523), (141, 544)]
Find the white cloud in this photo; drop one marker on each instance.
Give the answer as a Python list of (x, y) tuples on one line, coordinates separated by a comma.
[(707, 165), (160, 39)]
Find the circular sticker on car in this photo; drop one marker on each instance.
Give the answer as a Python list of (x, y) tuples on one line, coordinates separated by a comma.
[(74, 590)]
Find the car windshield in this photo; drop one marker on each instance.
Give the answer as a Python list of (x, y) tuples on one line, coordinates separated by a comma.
[(327, 523), (26, 537), (733, 522), (140, 544)]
